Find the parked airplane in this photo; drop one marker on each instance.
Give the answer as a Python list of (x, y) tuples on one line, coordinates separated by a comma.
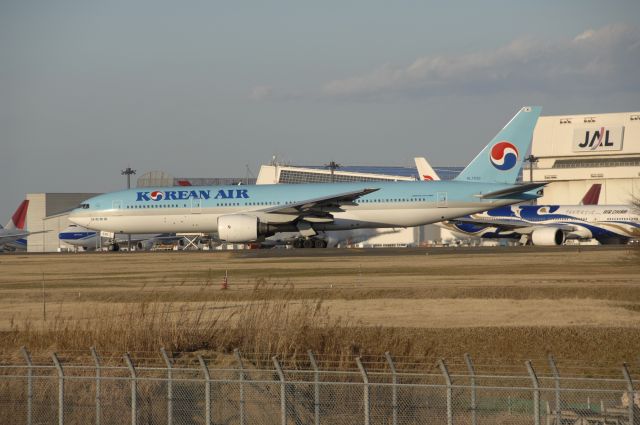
[(87, 239), (13, 235), (250, 213), (607, 224), (553, 224)]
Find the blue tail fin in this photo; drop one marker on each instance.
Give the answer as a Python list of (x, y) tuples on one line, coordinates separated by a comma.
[(500, 161)]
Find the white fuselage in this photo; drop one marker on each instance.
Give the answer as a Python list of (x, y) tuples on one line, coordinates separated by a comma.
[(582, 221), (198, 209)]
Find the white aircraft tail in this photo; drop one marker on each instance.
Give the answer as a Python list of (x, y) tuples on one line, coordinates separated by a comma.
[(425, 170)]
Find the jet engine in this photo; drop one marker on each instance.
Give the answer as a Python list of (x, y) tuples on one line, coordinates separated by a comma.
[(547, 236), (145, 245), (240, 228)]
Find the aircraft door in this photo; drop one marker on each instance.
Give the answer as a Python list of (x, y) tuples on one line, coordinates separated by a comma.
[(441, 199), (196, 206), (117, 206)]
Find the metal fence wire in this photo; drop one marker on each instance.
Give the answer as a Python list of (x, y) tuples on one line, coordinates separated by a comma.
[(171, 393)]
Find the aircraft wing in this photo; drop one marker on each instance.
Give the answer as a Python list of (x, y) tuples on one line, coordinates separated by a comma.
[(322, 204), (514, 225), (21, 234), (13, 236)]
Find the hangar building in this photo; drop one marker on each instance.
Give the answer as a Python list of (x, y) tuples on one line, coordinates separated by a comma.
[(575, 151), (49, 212)]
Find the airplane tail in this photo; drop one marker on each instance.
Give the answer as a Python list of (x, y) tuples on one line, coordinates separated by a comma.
[(425, 171), (19, 217), (592, 196), (501, 160)]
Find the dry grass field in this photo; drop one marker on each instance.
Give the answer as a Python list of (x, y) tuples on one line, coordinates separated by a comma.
[(582, 305)]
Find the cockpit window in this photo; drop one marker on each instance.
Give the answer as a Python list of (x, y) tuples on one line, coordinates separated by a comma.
[(84, 206)]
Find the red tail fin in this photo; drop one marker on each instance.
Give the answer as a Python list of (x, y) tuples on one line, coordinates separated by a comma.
[(20, 216), (592, 196)]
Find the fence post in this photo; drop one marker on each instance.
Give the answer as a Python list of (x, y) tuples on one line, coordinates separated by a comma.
[(365, 380), (627, 377), (472, 378), (167, 360), (134, 389), (394, 388), (536, 392), (283, 391), (27, 358), (96, 360), (56, 362), (556, 378), (447, 378), (207, 391), (316, 388), (241, 375)]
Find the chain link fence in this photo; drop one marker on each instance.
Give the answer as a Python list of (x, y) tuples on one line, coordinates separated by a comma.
[(57, 392)]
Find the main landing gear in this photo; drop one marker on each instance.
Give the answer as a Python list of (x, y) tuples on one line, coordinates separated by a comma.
[(309, 243)]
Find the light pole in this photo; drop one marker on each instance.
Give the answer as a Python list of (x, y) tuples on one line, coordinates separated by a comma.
[(532, 160), (128, 172), (333, 166)]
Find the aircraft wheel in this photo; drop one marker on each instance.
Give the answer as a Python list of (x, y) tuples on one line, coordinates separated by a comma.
[(115, 247), (307, 243), (297, 243), (319, 243)]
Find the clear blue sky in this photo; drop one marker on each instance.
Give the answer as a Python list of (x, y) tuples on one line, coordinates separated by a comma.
[(202, 88)]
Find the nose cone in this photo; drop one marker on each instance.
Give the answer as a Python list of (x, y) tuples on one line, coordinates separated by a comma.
[(79, 217)]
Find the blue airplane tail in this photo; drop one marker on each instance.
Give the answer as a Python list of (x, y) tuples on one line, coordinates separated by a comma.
[(501, 160)]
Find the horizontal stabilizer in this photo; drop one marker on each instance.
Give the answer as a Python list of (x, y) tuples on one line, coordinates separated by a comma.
[(514, 190)]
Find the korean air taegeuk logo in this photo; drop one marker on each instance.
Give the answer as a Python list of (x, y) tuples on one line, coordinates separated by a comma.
[(504, 155)]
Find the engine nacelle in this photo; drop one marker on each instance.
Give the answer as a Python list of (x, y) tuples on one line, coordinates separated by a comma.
[(547, 236), (238, 228), (145, 245)]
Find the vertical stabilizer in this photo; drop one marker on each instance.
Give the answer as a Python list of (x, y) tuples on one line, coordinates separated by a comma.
[(425, 171), (19, 217), (592, 196), (501, 160)]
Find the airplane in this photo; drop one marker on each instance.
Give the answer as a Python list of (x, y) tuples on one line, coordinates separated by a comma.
[(608, 224), (13, 235), (553, 224), (251, 213), (78, 236)]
